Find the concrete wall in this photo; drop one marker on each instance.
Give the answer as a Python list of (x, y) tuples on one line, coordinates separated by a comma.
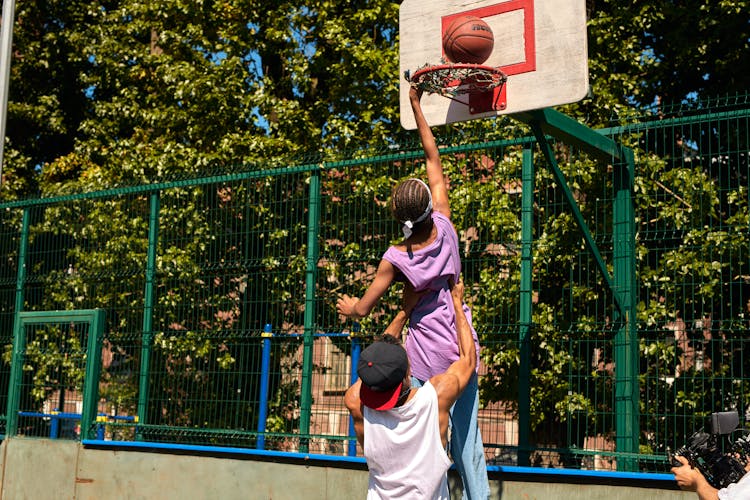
[(42, 469)]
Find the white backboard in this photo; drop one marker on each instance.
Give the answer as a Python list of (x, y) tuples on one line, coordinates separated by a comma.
[(540, 45)]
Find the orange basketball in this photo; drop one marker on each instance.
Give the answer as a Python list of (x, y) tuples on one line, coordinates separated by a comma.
[(468, 39)]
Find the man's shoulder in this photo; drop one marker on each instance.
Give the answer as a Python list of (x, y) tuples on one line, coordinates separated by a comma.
[(445, 385)]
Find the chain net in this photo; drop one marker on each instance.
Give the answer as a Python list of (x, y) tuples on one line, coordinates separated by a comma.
[(454, 79)]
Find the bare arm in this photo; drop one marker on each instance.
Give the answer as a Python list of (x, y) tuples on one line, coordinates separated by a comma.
[(397, 324), (466, 364), (690, 479), (359, 308), (353, 404), (409, 300), (435, 176), (452, 383)]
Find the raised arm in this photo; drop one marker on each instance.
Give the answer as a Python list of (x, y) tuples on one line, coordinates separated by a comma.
[(409, 300), (466, 364), (451, 384), (435, 176)]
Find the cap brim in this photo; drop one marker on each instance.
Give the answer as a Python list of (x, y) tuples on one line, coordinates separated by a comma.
[(379, 400)]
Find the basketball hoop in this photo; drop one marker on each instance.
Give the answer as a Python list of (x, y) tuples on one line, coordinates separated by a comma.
[(452, 80)]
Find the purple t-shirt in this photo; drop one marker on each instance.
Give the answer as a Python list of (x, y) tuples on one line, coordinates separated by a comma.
[(431, 344)]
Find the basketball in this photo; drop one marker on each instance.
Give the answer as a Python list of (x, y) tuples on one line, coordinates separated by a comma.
[(468, 39)]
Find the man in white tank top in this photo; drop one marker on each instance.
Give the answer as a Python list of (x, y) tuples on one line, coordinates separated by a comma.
[(403, 430)]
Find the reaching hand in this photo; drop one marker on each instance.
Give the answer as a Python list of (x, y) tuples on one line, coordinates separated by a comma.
[(345, 305), (415, 94), (457, 289)]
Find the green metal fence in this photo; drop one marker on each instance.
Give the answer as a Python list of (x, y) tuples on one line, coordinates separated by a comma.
[(189, 273)]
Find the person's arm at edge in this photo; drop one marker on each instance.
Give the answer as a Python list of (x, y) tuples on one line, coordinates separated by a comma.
[(435, 177), (397, 325), (690, 479), (359, 308), (409, 300), (354, 405)]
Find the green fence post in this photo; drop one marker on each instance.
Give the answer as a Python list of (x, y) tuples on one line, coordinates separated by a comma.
[(311, 274), (19, 334), (626, 352), (525, 301), (93, 371), (148, 311)]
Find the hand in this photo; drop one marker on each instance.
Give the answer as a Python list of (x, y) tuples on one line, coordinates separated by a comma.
[(457, 289), (686, 476), (345, 305), (415, 94)]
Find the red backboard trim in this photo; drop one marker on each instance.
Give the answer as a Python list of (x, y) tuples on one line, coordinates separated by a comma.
[(529, 64)]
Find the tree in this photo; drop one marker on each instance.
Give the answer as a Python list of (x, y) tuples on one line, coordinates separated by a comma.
[(663, 52), (144, 91)]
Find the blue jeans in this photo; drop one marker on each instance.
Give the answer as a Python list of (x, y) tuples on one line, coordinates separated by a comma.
[(465, 446)]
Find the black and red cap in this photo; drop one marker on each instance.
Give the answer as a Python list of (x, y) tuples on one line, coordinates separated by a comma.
[(382, 368)]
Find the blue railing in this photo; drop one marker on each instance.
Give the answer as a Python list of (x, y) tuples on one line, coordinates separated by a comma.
[(265, 380)]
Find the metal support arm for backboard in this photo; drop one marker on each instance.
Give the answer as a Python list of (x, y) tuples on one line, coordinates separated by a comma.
[(551, 122), (570, 131), (587, 236)]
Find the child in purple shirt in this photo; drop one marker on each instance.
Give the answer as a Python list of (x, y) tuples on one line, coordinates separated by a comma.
[(427, 260), (430, 344)]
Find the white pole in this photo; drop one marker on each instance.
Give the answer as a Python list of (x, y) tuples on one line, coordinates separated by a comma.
[(6, 45)]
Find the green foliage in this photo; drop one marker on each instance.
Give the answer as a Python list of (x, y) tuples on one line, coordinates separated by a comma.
[(647, 53), (54, 361), (131, 91)]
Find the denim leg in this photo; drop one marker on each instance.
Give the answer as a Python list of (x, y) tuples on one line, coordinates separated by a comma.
[(466, 446)]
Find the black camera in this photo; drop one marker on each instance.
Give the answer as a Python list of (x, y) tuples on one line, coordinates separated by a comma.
[(720, 460)]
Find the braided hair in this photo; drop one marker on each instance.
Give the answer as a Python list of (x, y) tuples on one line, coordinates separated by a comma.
[(411, 205)]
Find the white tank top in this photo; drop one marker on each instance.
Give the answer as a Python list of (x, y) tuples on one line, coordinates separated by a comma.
[(404, 452)]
